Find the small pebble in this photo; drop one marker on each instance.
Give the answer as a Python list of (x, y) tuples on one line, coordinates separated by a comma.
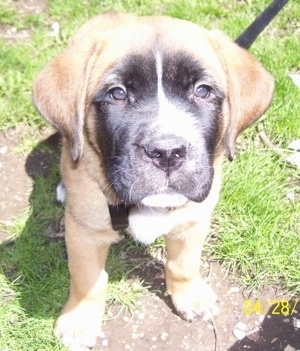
[(239, 334), (234, 289), (164, 336), (3, 150), (296, 322), (241, 326), (289, 348), (105, 342)]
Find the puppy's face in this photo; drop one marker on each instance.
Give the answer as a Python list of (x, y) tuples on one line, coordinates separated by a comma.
[(158, 99), (158, 121)]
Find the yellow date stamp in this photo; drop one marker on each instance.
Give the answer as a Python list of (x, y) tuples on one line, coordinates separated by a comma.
[(272, 307)]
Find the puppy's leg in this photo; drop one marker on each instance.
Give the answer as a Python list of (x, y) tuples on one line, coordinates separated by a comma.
[(191, 296), (80, 321)]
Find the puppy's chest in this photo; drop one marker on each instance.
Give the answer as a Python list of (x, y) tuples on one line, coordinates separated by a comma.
[(146, 224)]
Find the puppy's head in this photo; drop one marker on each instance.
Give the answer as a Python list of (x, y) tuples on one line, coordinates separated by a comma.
[(157, 98)]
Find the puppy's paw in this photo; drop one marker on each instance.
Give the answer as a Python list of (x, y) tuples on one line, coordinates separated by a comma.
[(195, 300), (79, 329)]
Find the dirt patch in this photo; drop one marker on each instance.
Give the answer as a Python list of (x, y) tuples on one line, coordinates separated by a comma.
[(24, 7), (31, 7), (155, 325), (261, 323), (16, 183), (12, 34)]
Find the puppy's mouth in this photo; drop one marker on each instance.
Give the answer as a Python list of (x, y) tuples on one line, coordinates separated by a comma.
[(164, 200)]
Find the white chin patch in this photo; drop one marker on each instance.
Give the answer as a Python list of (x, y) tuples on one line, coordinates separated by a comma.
[(164, 200)]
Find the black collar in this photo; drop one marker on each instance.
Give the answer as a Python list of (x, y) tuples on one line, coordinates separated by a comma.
[(119, 217)]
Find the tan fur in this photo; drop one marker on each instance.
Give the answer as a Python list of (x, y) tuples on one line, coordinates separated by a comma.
[(62, 93)]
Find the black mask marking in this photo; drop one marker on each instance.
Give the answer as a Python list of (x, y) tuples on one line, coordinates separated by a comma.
[(126, 109)]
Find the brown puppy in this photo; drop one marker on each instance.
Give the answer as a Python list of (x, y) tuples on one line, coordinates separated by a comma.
[(147, 107)]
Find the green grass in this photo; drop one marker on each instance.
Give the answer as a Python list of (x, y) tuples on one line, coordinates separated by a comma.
[(258, 225), (256, 231)]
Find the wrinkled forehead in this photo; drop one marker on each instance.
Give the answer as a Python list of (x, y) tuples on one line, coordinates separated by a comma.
[(183, 51), (180, 71)]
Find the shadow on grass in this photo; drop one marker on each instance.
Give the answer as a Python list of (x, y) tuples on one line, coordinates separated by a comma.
[(34, 267)]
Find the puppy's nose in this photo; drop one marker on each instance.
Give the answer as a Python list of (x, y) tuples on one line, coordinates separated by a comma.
[(166, 156)]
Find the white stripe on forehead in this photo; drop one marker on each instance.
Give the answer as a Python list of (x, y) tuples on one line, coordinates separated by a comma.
[(171, 119), (159, 72)]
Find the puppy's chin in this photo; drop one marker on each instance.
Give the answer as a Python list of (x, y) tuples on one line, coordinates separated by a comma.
[(164, 200)]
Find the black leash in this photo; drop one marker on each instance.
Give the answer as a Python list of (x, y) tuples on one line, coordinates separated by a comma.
[(246, 39), (119, 213)]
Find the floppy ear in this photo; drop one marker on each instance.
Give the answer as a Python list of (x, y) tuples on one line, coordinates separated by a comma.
[(59, 94), (60, 90), (250, 88)]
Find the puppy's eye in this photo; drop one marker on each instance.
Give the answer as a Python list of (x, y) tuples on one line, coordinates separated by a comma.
[(202, 91), (118, 94)]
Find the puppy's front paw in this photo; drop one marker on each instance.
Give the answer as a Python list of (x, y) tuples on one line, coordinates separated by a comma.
[(195, 300), (79, 329)]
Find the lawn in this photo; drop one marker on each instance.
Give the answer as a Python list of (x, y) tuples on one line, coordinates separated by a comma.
[(256, 227)]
